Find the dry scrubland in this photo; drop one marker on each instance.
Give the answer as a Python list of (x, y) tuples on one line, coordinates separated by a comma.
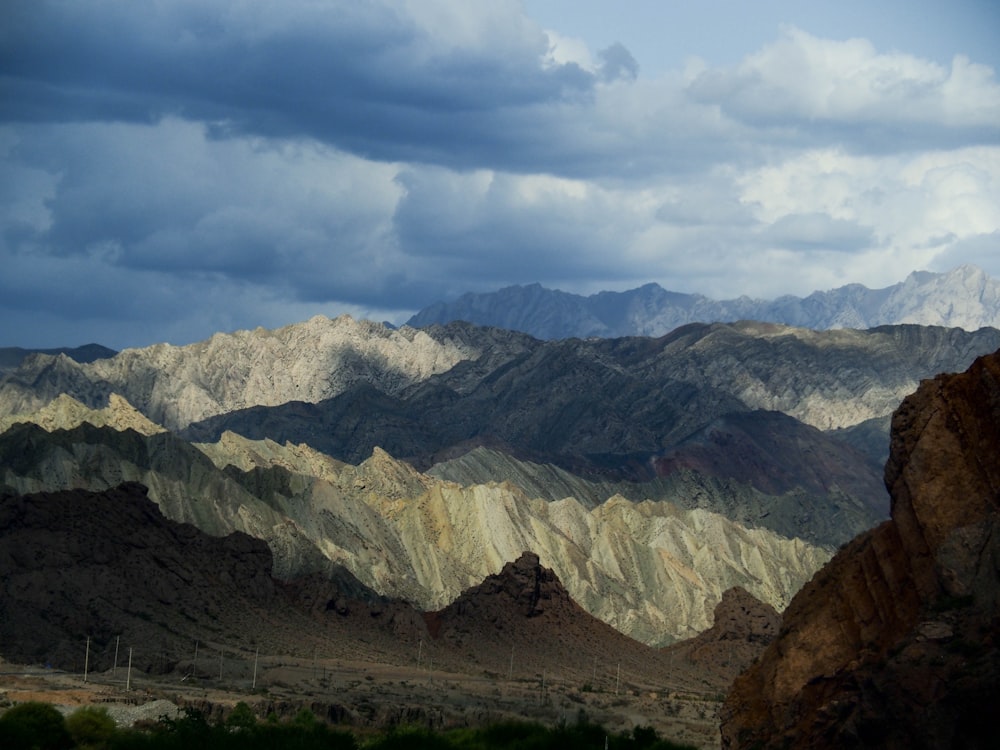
[(365, 697)]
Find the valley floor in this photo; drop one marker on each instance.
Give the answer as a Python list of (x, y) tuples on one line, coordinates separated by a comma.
[(365, 696)]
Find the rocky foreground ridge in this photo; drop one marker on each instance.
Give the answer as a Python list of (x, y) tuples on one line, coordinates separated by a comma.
[(896, 642)]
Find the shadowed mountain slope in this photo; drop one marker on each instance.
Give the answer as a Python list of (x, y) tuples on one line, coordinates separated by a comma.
[(630, 409), (76, 565), (617, 402), (12, 356)]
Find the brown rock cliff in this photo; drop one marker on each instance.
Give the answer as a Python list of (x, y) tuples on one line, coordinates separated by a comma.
[(742, 628), (895, 642)]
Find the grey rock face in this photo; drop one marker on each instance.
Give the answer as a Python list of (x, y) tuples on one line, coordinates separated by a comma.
[(175, 386), (610, 410)]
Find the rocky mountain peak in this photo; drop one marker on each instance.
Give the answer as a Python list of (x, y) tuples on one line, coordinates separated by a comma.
[(896, 642), (741, 615), (389, 477), (743, 627), (304, 362), (65, 413), (523, 586), (532, 586)]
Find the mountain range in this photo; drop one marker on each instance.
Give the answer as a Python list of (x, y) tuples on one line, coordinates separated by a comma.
[(650, 474), (363, 488), (13, 356), (965, 297), (893, 643), (651, 568)]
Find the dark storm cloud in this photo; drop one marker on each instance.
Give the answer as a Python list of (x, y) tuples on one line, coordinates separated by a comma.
[(486, 228), (358, 76)]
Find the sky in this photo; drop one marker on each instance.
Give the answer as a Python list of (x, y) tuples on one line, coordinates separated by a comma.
[(170, 169)]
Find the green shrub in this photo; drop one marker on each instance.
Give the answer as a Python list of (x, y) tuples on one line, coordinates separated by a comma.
[(91, 727), (241, 717), (34, 725), (305, 718)]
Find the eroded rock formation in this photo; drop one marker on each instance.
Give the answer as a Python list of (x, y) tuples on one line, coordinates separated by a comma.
[(652, 569), (507, 622), (742, 628), (895, 642)]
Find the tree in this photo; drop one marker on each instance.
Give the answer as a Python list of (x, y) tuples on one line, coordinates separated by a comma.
[(34, 725), (91, 727)]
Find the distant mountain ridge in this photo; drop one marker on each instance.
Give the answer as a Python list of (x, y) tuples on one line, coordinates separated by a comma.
[(965, 297), (12, 356)]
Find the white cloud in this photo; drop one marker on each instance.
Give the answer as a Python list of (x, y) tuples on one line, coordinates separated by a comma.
[(803, 77), (499, 26), (917, 205), (563, 50)]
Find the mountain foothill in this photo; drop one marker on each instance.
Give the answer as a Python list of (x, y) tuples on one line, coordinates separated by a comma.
[(477, 488)]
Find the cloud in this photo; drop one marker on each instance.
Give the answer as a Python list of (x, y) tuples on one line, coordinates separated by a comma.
[(193, 166), (849, 90), (485, 228), (981, 250), (618, 63), (817, 231), (434, 84)]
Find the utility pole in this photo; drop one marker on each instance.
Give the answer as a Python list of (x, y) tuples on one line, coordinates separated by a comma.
[(128, 679), (86, 660), (114, 669), (195, 670), (253, 685), (618, 677), (420, 650), (510, 669)]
